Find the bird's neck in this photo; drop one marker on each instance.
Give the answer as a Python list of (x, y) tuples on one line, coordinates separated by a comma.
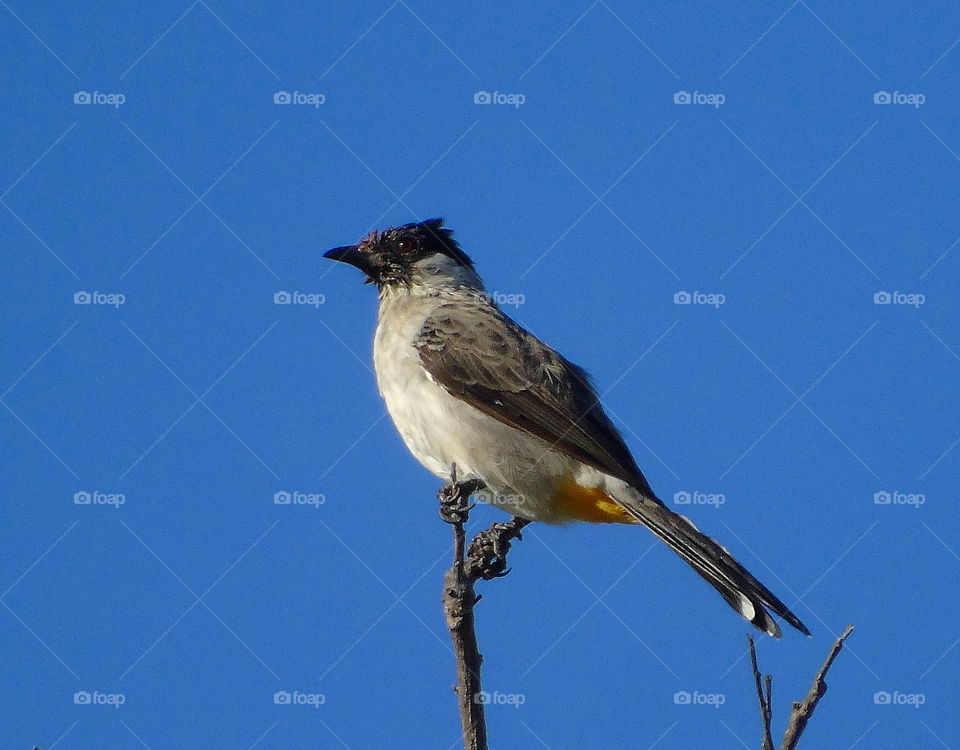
[(457, 283)]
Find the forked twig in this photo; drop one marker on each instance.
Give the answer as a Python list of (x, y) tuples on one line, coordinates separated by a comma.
[(803, 710)]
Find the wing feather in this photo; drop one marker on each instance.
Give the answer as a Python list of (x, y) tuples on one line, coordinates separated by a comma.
[(480, 355)]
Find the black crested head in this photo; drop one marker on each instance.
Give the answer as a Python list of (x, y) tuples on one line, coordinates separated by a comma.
[(389, 256), (430, 237)]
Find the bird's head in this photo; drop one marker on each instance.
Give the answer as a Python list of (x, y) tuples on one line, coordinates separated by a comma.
[(423, 253)]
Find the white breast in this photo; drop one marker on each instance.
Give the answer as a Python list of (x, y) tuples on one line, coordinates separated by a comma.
[(427, 417), (441, 430)]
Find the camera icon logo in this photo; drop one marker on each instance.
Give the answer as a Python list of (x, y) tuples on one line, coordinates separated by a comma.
[(282, 498), (81, 498), (81, 698), (882, 298), (682, 298), (282, 698), (682, 97), (882, 698), (482, 97), (682, 698), (82, 298), (282, 97), (681, 498), (482, 698), (82, 97), (282, 298), (882, 97), (882, 498)]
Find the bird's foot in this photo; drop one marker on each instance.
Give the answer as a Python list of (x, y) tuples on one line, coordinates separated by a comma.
[(455, 503), (488, 550)]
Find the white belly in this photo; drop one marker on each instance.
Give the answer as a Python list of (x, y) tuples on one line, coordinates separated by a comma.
[(441, 430)]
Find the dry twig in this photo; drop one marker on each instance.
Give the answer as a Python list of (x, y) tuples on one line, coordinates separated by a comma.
[(486, 559), (766, 697), (802, 711)]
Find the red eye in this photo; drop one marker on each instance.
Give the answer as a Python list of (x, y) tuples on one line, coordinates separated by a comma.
[(407, 244)]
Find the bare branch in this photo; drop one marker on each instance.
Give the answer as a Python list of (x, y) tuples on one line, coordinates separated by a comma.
[(486, 559), (766, 707), (803, 710), (458, 601)]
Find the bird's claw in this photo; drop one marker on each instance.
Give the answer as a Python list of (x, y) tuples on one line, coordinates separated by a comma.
[(455, 503), (488, 552)]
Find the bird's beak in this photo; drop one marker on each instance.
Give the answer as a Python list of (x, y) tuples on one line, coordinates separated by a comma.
[(353, 255)]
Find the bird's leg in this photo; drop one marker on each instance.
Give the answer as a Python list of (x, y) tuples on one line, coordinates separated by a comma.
[(455, 497), (487, 557)]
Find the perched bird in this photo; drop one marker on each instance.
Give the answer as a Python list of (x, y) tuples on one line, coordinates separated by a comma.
[(470, 388)]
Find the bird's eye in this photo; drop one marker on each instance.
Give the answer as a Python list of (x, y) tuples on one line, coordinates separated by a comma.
[(407, 244)]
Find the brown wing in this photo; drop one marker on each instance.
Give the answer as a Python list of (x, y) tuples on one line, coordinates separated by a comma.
[(482, 356)]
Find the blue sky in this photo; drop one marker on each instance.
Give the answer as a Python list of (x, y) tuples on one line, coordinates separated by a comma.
[(741, 219)]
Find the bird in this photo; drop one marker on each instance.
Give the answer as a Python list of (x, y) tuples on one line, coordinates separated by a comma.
[(478, 398)]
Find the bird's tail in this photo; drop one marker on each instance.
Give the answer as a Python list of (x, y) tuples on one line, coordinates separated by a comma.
[(718, 567)]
